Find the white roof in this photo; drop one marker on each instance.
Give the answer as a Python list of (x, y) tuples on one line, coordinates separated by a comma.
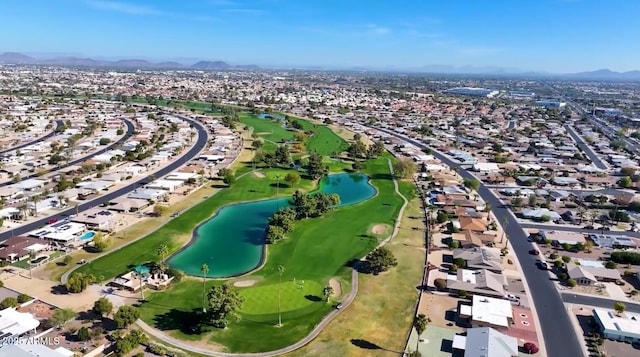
[(627, 323), (29, 184), (490, 310), (33, 350), (17, 323), (60, 231)]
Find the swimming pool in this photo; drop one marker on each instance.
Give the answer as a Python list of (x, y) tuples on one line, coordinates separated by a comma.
[(87, 236)]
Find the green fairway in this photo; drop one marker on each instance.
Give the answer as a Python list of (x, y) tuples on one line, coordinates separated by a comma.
[(316, 250), (326, 142), (293, 296), (269, 129), (178, 231)]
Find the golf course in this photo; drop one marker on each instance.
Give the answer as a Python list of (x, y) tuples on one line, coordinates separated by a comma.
[(315, 254)]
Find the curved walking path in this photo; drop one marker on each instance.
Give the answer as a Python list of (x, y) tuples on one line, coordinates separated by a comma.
[(314, 333)]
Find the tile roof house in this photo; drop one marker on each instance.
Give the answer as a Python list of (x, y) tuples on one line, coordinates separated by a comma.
[(472, 224), (481, 258)]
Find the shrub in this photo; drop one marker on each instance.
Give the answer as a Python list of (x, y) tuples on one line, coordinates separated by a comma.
[(461, 263), (8, 302), (624, 257), (440, 284), (572, 283), (22, 298), (157, 349), (563, 276), (566, 259), (530, 348), (553, 256), (611, 265), (83, 334)]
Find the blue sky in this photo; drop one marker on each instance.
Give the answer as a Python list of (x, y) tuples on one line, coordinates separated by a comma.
[(543, 35)]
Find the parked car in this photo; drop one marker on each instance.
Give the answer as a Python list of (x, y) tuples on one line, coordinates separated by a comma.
[(512, 297), (339, 306)]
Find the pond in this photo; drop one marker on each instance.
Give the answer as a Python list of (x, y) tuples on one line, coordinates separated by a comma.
[(231, 242)]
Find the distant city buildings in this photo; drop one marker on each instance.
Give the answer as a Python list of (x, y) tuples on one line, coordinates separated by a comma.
[(550, 104), (472, 92)]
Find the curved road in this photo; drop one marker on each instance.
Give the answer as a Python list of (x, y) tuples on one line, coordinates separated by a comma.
[(554, 320), (203, 137), (59, 123), (127, 135), (313, 334)]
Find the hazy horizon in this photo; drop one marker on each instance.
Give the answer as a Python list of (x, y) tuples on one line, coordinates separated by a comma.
[(555, 36)]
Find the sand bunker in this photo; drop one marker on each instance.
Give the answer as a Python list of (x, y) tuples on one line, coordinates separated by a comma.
[(379, 229), (259, 174), (244, 283), (337, 288)]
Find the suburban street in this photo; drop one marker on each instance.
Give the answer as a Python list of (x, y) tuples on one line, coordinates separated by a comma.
[(127, 135), (586, 148), (554, 320), (596, 301), (202, 140), (59, 123), (578, 229)]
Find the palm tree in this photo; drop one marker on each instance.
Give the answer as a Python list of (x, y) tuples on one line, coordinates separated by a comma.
[(280, 271), (23, 211), (420, 324), (581, 213), (327, 291), (204, 268), (35, 199), (163, 251), (32, 255)]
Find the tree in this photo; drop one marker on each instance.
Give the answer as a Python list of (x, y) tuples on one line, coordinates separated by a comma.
[(315, 167), (204, 269), (77, 282), (62, 316), (572, 283), (104, 141), (625, 182), (163, 251), (223, 302), (283, 218), (404, 168), (375, 150), (610, 265), (440, 284), (229, 178), (67, 260), (160, 210), (282, 156), (102, 307), (532, 200), (420, 324), (292, 178), (619, 307), (280, 271), (125, 316), (472, 184), (381, 259), (22, 298), (8, 302), (274, 234), (357, 165), (327, 292), (83, 334), (257, 144)]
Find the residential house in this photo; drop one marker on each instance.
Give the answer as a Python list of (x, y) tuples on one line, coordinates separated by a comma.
[(488, 312), (20, 247), (486, 342), (469, 239), (621, 327), (481, 258), (589, 275), (480, 282)]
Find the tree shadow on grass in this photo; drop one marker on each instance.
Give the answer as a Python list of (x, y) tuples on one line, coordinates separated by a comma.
[(379, 176), (187, 322), (367, 345), (59, 290), (313, 298)]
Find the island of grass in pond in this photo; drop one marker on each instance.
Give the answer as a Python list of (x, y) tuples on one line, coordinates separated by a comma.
[(231, 243)]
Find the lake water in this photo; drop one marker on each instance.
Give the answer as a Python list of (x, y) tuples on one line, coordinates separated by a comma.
[(231, 242)]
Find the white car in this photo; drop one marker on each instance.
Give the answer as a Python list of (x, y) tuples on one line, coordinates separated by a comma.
[(512, 297)]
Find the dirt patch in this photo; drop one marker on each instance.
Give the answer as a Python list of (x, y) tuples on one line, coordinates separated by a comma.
[(379, 229), (337, 288), (259, 174), (244, 283)]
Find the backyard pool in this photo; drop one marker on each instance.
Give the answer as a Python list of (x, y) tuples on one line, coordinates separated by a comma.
[(87, 236), (231, 242)]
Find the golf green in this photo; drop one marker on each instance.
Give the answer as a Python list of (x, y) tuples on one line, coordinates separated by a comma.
[(295, 294), (231, 242)]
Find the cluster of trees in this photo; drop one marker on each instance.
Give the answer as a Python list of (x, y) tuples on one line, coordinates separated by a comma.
[(404, 168), (228, 176), (78, 282), (359, 150), (306, 205), (280, 224), (100, 243), (379, 260), (626, 257), (127, 343), (472, 184)]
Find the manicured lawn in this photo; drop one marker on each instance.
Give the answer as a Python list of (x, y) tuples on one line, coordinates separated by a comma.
[(269, 129), (326, 142), (177, 231), (296, 295), (315, 251)]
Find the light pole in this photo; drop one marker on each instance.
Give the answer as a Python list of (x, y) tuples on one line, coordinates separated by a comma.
[(280, 271), (277, 190)]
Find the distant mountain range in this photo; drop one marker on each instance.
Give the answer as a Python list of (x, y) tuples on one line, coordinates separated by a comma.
[(20, 58), (602, 74)]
